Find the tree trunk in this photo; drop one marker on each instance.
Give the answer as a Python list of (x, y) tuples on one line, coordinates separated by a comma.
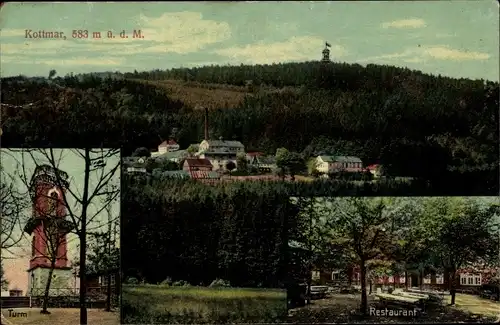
[(364, 298), (406, 279), (108, 293), (453, 289), (83, 241), (421, 280), (47, 289), (371, 286)]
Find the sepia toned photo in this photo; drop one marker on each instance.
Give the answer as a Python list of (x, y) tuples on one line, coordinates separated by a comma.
[(395, 260), (60, 236)]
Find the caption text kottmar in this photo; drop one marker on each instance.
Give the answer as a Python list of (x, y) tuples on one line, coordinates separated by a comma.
[(80, 34)]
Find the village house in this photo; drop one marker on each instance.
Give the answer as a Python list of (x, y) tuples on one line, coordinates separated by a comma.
[(251, 155), (220, 152), (175, 156), (333, 164), (166, 146), (263, 163), (195, 164), (97, 283), (469, 279)]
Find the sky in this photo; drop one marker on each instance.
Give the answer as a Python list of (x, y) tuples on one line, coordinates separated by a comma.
[(452, 38), (16, 262)]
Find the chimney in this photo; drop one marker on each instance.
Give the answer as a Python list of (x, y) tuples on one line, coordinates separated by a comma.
[(206, 123)]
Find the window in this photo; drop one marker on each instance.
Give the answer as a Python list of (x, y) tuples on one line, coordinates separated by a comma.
[(391, 279), (315, 275), (470, 279), (335, 275), (427, 279), (104, 281), (439, 279)]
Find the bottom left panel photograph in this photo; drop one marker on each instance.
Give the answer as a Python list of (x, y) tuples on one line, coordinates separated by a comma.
[(60, 235)]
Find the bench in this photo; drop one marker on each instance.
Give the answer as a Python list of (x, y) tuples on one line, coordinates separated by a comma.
[(400, 300)]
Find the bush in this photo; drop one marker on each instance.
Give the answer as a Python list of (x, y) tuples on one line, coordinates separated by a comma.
[(219, 283), (181, 283), (132, 280), (167, 281)]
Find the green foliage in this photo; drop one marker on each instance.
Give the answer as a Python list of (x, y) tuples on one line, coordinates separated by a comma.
[(233, 231), (141, 152), (102, 255), (220, 283), (202, 305), (434, 128)]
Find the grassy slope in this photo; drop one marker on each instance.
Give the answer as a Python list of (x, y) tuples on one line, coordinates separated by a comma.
[(196, 94), (176, 305)]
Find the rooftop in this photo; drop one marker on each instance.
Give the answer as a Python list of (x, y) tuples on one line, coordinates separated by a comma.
[(225, 143)]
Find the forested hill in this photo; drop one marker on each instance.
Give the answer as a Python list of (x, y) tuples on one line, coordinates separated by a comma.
[(416, 124)]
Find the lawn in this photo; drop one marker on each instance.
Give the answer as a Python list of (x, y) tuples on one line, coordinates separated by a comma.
[(157, 304), (61, 316)]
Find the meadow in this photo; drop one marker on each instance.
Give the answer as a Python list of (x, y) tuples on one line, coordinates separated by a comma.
[(159, 304)]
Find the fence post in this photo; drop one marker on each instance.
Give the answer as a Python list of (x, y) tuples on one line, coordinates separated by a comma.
[(30, 301)]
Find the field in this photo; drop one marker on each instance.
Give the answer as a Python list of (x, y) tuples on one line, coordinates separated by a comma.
[(60, 316), (157, 304)]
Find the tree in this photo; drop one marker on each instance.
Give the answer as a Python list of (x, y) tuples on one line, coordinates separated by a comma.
[(142, 152), (230, 165), (242, 163), (52, 74), (291, 163), (100, 179), (12, 205), (465, 238), (4, 283), (360, 227), (53, 232)]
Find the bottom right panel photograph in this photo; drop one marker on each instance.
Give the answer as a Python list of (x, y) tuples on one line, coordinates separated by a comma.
[(394, 260)]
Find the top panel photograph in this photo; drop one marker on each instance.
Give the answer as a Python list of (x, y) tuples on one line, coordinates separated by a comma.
[(327, 98)]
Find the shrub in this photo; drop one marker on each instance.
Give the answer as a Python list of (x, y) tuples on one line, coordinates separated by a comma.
[(180, 283), (167, 281), (132, 280), (219, 283)]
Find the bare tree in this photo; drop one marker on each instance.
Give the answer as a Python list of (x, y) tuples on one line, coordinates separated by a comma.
[(100, 176), (12, 205), (52, 229)]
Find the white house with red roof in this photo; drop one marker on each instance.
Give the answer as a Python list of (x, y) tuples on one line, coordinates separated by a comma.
[(166, 146)]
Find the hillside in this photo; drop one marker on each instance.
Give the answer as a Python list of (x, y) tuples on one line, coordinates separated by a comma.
[(418, 125)]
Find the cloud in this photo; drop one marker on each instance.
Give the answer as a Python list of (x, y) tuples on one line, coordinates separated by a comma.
[(12, 32), (445, 53), (293, 49), (405, 23), (180, 32), (425, 53)]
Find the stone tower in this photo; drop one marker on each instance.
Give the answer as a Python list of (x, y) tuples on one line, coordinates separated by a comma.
[(46, 191), (326, 54)]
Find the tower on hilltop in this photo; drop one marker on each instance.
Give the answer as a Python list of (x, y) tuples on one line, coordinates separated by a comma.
[(48, 228), (326, 53)]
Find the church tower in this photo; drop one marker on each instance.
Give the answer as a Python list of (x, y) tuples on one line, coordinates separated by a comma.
[(48, 228)]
